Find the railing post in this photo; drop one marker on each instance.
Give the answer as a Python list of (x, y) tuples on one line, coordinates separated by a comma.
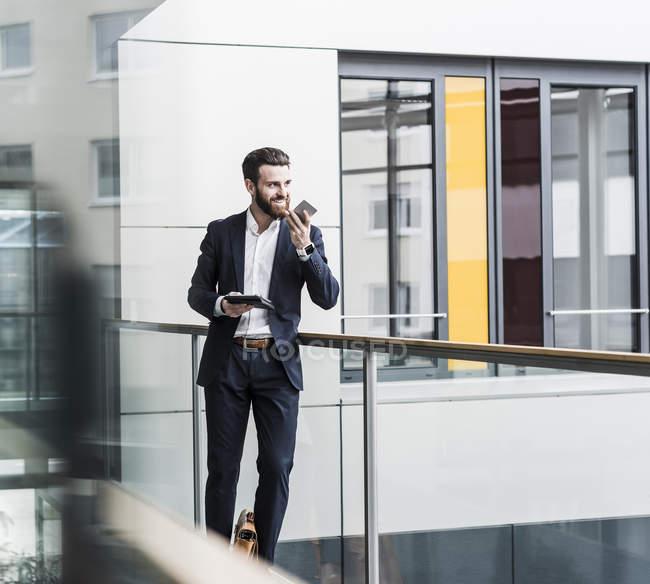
[(370, 464), (196, 431)]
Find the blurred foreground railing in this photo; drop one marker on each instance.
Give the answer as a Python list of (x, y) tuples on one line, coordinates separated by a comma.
[(174, 549)]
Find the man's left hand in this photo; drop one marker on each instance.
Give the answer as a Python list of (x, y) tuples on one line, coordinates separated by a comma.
[(298, 229)]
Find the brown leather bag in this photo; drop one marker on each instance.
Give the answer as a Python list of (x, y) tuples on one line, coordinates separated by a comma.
[(245, 534)]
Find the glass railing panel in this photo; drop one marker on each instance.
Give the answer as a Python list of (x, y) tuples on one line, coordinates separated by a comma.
[(352, 461), (310, 544), (155, 371), (153, 420), (607, 550), (462, 462), (156, 459)]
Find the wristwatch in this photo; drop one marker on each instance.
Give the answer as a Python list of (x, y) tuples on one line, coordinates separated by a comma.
[(305, 251)]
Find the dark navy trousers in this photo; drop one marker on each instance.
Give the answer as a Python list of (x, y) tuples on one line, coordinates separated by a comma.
[(258, 379)]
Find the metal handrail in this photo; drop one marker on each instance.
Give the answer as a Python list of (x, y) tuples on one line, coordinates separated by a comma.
[(174, 549), (525, 356), (598, 311)]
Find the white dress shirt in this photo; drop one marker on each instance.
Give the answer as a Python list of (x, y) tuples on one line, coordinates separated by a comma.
[(258, 267)]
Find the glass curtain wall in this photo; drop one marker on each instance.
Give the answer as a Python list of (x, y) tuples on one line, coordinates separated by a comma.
[(467, 253), (386, 151), (521, 212), (415, 251), (594, 216), (572, 230)]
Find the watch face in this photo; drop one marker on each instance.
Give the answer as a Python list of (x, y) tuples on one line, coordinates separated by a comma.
[(309, 248)]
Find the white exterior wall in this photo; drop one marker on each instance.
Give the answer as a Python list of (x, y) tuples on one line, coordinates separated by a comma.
[(59, 109), (554, 29), (186, 121)]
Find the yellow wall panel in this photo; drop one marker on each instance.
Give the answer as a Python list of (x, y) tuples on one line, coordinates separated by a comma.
[(466, 213)]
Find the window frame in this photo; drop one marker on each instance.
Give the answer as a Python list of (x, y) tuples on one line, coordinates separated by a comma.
[(131, 16), (96, 199), (29, 147), (403, 231), (405, 67), (588, 74)]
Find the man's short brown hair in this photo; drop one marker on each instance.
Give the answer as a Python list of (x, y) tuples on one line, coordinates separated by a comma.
[(256, 158)]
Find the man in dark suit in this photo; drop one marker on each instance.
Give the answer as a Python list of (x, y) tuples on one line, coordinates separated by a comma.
[(251, 355)]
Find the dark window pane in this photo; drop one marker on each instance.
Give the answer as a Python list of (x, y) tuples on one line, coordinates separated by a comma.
[(108, 168), (48, 355), (521, 212), (17, 281), (16, 163), (14, 356)]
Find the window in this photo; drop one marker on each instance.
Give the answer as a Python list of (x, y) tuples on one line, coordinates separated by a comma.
[(107, 29), (407, 303), (106, 155), (387, 187), (521, 208), (573, 200), (417, 205), (594, 226), (408, 209), (16, 163), (15, 49)]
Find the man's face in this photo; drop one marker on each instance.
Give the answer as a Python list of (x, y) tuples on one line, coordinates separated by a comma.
[(271, 194)]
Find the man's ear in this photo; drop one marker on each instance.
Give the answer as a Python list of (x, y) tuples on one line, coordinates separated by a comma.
[(250, 186)]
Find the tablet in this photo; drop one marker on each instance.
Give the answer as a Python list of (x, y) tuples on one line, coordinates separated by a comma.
[(254, 299)]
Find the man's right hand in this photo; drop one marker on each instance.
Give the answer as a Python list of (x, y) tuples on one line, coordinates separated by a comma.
[(234, 310)]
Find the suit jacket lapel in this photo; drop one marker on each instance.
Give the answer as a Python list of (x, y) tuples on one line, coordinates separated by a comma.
[(284, 239), (238, 244)]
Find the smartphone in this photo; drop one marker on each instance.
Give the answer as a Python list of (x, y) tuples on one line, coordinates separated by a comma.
[(304, 206)]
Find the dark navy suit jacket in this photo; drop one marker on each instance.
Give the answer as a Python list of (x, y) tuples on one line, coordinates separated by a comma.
[(220, 270)]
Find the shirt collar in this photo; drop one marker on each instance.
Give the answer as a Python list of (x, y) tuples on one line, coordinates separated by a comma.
[(253, 227)]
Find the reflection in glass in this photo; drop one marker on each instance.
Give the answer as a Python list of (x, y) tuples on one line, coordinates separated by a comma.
[(29, 242), (618, 332), (386, 135), (521, 212), (375, 111), (108, 29), (594, 228), (15, 344)]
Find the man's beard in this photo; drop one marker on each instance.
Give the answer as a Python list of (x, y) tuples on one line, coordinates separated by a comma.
[(267, 206)]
